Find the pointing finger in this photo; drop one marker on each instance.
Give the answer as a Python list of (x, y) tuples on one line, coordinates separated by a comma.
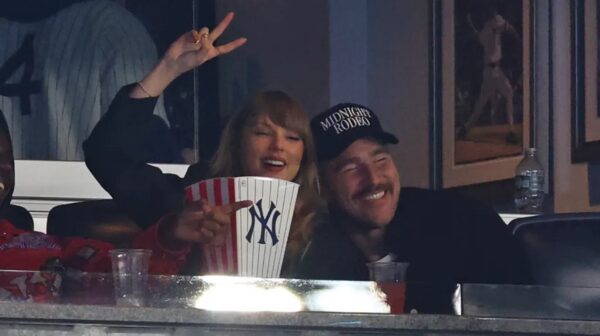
[(235, 206)]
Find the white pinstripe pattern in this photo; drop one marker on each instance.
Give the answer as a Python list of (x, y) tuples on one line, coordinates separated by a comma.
[(231, 265), (241, 191), (257, 260), (82, 56)]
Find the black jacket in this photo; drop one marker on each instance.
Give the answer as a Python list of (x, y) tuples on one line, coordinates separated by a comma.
[(127, 137)]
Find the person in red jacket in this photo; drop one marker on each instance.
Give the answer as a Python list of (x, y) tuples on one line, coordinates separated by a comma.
[(27, 250), (23, 249)]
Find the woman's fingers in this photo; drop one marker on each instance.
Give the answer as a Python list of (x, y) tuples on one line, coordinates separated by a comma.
[(213, 232), (235, 206), (217, 220), (200, 35), (191, 41), (202, 42), (220, 28), (206, 224), (231, 46), (194, 48), (214, 225)]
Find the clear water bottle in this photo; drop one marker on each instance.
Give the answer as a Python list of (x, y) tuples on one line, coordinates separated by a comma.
[(529, 180)]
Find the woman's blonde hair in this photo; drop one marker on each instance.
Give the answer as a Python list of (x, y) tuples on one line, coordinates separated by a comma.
[(287, 113)]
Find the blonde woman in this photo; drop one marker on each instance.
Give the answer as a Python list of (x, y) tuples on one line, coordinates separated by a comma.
[(269, 137)]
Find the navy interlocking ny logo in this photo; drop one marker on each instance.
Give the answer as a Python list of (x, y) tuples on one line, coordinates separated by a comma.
[(272, 217)]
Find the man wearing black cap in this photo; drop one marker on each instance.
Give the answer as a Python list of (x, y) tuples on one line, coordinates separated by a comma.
[(446, 239)]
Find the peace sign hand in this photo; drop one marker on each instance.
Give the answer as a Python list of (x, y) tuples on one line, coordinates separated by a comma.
[(194, 48)]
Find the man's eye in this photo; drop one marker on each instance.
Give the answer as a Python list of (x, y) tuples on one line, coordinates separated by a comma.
[(348, 168), (381, 157)]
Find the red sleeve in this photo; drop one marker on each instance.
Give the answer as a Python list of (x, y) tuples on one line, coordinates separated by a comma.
[(163, 260), (87, 255)]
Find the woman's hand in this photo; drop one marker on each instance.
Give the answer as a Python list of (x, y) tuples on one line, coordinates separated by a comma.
[(190, 50), (202, 223), (196, 47)]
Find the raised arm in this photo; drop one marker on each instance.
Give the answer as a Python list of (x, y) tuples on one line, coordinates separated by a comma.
[(115, 152)]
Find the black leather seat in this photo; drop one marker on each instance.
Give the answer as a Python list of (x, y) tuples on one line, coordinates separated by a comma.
[(97, 219), (19, 217), (564, 253)]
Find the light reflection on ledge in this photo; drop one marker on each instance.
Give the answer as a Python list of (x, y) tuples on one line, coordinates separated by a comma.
[(214, 293), (223, 293), (230, 294)]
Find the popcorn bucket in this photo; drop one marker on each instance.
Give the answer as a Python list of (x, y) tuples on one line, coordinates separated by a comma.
[(257, 237)]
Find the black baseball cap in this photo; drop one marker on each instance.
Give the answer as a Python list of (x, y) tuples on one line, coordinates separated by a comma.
[(339, 126)]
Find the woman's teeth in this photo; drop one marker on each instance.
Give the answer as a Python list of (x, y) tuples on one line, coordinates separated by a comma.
[(275, 163)]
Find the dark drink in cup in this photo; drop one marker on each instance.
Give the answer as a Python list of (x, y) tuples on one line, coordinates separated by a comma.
[(390, 278), (394, 295)]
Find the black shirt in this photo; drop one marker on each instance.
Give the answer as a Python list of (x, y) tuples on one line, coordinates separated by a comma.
[(447, 239)]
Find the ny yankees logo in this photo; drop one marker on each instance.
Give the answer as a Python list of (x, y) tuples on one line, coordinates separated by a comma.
[(264, 222)]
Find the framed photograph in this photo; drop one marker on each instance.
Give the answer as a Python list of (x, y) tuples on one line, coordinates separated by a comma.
[(585, 81), (483, 60)]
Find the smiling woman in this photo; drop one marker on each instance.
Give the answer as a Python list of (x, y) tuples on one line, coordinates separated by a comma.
[(270, 136), (275, 132)]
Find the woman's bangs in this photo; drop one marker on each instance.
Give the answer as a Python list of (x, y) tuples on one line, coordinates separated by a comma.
[(289, 117)]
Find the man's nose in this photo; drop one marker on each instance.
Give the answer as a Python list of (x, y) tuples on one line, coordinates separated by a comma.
[(372, 174)]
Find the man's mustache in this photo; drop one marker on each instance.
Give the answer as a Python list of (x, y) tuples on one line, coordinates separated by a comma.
[(373, 189)]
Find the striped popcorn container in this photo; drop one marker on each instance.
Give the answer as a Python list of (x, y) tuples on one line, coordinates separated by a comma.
[(257, 237)]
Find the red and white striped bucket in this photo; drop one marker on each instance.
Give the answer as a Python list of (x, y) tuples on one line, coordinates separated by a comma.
[(257, 237)]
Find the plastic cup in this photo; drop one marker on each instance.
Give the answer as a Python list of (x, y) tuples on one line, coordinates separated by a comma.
[(130, 276), (391, 279)]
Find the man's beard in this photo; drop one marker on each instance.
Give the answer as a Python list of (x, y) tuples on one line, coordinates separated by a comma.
[(348, 222)]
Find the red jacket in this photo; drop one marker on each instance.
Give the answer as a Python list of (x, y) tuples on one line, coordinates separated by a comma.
[(24, 254), (30, 250)]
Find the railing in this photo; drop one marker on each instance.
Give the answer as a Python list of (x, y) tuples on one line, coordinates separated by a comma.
[(81, 303)]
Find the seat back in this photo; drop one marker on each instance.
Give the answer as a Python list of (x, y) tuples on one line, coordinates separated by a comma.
[(19, 217), (96, 219), (564, 253), (563, 249)]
